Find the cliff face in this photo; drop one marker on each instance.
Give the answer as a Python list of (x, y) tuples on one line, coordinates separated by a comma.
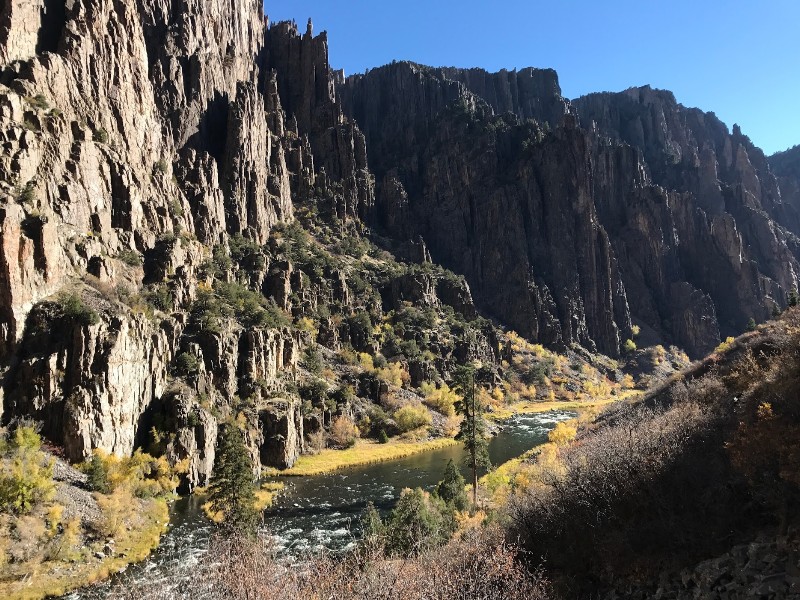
[(184, 189), (137, 135), (786, 166), (626, 205)]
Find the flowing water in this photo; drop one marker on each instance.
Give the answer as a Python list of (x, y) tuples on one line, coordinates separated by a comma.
[(323, 511)]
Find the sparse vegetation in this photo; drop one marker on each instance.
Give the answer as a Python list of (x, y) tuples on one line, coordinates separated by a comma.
[(76, 310)]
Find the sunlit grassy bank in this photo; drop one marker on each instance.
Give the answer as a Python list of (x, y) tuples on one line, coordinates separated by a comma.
[(133, 543), (362, 453)]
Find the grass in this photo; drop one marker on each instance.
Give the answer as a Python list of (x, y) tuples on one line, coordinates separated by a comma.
[(59, 578), (363, 453)]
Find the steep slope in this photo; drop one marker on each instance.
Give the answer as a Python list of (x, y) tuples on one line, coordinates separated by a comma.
[(144, 145), (647, 210), (690, 491), (786, 166)]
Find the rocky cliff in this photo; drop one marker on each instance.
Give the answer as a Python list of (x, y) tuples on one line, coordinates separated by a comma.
[(137, 137), (786, 166), (154, 278), (186, 192), (571, 220)]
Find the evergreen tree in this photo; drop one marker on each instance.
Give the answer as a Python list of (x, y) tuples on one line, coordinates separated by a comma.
[(416, 524), (792, 299), (451, 488), (751, 324), (372, 527), (231, 487), (473, 427), (97, 474)]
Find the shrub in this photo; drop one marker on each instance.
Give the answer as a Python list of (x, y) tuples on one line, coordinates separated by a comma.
[(312, 360), (140, 474), (451, 488), (562, 434), (394, 373), (130, 257), (725, 346), (417, 524), (97, 473), (383, 437), (440, 399), (100, 135), (26, 473), (629, 346), (38, 101), (161, 297), (74, 309), (630, 484), (27, 193), (186, 364), (412, 417), (343, 433), (479, 565)]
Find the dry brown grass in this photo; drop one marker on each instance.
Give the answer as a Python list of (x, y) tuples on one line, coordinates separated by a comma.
[(480, 566)]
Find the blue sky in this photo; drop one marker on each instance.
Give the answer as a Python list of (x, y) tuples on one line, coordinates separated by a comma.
[(740, 59)]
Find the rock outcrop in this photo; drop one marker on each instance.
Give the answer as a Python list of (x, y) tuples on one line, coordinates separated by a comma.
[(786, 166), (618, 207), (146, 133), (157, 155)]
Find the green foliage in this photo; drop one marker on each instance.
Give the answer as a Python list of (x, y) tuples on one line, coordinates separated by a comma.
[(315, 392), (26, 194), (141, 475), (130, 257), (221, 261), (412, 417), (231, 490), (161, 297), (352, 245), (538, 371), (74, 309), (451, 488), (97, 473), (246, 253), (235, 301), (251, 308), (751, 324), (629, 346), (418, 522), (383, 437), (473, 431), (372, 528), (100, 135), (26, 473), (792, 298), (38, 101), (186, 364), (312, 360)]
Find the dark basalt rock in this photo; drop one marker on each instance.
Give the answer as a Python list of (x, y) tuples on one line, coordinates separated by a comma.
[(613, 206)]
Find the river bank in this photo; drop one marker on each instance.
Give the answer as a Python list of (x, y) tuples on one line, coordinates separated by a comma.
[(131, 545), (364, 452)]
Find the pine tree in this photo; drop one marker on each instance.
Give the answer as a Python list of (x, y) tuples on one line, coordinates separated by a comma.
[(792, 299), (473, 427), (451, 488), (231, 488)]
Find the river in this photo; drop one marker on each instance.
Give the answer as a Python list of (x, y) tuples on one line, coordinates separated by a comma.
[(323, 511)]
